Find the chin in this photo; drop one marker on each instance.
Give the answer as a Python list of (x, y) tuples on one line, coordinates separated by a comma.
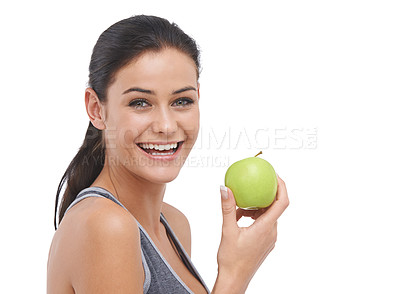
[(164, 180), (160, 175)]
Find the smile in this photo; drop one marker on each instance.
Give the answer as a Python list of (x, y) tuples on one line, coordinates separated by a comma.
[(161, 151)]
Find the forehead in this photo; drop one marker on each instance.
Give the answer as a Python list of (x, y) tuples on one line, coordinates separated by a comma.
[(163, 70)]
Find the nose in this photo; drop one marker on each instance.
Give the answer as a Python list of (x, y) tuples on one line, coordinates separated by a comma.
[(164, 122)]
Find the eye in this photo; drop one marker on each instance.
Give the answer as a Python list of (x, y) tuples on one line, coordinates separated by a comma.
[(139, 103), (182, 102)]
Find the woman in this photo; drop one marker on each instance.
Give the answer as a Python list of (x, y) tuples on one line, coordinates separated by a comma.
[(143, 106)]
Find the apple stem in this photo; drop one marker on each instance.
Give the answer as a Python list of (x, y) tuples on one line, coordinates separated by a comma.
[(258, 153)]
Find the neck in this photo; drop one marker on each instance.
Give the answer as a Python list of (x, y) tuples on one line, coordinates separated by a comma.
[(142, 198)]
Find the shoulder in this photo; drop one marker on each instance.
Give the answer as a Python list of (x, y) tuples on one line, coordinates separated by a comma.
[(179, 224), (104, 253), (98, 215)]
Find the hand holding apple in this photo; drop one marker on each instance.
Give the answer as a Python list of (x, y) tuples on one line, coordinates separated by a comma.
[(253, 182), (243, 249)]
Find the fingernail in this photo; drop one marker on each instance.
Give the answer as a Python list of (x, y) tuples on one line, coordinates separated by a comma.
[(224, 192)]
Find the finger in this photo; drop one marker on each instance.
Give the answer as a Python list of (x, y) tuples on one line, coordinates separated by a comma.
[(259, 212), (278, 206), (228, 205), (240, 212)]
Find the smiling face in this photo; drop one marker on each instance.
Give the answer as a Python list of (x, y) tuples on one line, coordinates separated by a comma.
[(152, 115)]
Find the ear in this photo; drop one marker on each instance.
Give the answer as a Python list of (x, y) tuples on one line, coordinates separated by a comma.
[(94, 109), (198, 90)]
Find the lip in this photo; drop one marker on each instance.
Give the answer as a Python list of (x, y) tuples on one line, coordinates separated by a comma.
[(163, 157), (160, 143)]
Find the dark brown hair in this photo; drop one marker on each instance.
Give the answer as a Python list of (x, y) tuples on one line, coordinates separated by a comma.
[(116, 47)]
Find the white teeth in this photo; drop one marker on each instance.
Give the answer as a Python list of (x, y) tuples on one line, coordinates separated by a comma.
[(158, 147), (163, 154)]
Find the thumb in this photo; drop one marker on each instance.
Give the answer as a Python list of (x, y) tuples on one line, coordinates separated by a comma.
[(228, 205)]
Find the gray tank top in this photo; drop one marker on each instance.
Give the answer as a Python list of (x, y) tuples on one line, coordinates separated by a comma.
[(159, 276)]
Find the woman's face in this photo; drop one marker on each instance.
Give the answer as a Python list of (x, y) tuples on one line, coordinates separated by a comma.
[(153, 104)]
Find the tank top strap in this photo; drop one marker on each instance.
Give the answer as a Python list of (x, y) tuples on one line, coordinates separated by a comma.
[(182, 252), (94, 192)]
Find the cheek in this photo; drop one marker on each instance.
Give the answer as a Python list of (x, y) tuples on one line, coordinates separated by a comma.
[(122, 132), (191, 125), (130, 129)]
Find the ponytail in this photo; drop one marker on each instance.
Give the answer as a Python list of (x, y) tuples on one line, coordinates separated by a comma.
[(82, 171)]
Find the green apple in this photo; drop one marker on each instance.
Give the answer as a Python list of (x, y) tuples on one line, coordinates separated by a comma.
[(253, 182)]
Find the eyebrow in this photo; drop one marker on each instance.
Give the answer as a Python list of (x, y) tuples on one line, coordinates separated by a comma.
[(189, 88), (136, 89)]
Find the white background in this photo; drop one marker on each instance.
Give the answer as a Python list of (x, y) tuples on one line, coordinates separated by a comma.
[(314, 84)]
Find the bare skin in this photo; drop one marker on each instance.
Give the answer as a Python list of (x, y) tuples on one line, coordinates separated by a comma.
[(70, 247), (96, 248)]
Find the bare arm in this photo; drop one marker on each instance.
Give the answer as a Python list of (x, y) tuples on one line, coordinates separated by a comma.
[(108, 257)]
